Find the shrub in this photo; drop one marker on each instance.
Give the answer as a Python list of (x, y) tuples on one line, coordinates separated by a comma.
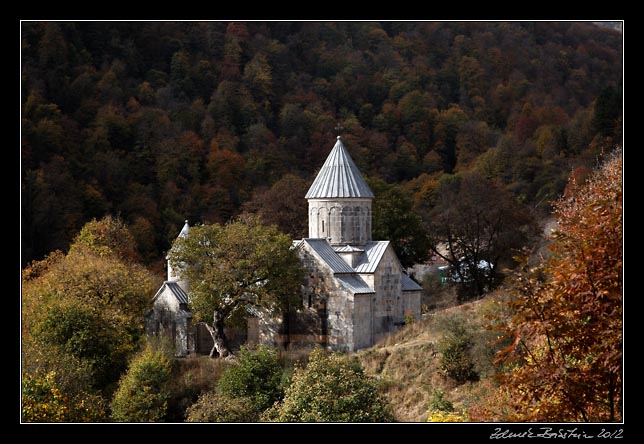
[(332, 388), (440, 404), (216, 407), (142, 394), (43, 400), (455, 347), (257, 375), (442, 410)]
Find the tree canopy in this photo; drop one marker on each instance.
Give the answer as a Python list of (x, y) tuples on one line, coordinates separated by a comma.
[(477, 227), (331, 388), (394, 219), (236, 267), (567, 330), (82, 318), (163, 121)]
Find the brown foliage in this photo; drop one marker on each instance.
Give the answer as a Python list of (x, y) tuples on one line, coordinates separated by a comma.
[(566, 351)]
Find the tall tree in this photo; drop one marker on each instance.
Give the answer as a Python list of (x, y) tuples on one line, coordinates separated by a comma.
[(234, 268), (394, 219), (88, 304), (567, 332), (283, 205), (475, 226)]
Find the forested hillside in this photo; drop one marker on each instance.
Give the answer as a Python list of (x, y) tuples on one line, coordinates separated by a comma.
[(158, 122)]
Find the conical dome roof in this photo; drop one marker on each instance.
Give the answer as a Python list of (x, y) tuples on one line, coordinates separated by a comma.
[(339, 177)]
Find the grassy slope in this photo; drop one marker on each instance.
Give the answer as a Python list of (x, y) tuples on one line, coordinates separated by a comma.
[(408, 362)]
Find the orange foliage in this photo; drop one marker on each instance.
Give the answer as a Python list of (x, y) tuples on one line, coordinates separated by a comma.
[(566, 355)]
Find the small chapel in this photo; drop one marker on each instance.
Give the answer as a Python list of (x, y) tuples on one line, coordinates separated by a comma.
[(355, 292)]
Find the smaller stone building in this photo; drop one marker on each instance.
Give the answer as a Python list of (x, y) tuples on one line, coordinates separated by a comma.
[(170, 315)]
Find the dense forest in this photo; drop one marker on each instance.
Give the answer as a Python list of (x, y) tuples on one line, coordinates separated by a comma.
[(158, 122), (472, 136)]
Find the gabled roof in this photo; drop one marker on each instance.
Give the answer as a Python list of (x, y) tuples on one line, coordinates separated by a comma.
[(355, 284), (408, 284), (339, 177), (348, 249), (369, 261), (175, 290), (324, 250)]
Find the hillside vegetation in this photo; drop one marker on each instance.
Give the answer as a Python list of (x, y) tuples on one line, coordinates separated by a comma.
[(499, 140), (408, 364), (159, 122)]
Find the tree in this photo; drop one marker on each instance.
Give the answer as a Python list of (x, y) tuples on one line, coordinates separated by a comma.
[(43, 400), (234, 268), (331, 388), (283, 205), (142, 394), (80, 330), (455, 346), (87, 306), (475, 225), (257, 375), (608, 107), (566, 332), (394, 219), (110, 235)]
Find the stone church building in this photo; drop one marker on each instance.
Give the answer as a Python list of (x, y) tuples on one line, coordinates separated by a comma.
[(355, 292)]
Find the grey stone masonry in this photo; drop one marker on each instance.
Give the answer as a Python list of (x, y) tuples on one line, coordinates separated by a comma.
[(340, 221)]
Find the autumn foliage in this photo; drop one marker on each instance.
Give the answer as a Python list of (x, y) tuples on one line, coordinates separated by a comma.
[(565, 360), (166, 121)]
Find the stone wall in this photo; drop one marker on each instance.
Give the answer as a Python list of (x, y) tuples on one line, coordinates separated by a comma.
[(170, 320), (326, 317), (388, 304), (363, 332), (342, 221), (341, 318)]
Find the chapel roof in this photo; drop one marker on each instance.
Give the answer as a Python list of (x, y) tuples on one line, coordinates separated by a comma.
[(175, 290), (355, 284), (373, 252), (184, 231), (350, 277), (329, 256), (339, 177), (408, 284)]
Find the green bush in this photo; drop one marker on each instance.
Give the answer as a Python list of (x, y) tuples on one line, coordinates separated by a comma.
[(44, 400), (455, 347), (256, 375), (216, 407), (142, 394), (332, 388), (440, 404)]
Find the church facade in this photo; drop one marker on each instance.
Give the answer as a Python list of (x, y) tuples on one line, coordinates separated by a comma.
[(355, 291)]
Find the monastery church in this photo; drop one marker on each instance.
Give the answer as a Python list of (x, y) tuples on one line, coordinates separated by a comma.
[(355, 291)]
